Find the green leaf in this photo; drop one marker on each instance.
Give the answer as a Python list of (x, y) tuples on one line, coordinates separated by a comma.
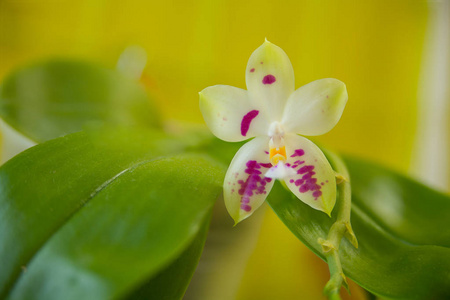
[(97, 214), (173, 281), (405, 208), (401, 227), (56, 97)]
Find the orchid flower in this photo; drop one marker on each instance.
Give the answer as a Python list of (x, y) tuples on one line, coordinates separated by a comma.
[(274, 113)]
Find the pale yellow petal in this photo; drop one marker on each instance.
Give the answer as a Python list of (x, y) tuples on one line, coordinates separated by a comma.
[(315, 108)]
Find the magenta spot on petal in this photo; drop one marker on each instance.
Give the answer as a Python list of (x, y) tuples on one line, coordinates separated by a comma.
[(261, 62), (266, 152), (305, 169), (317, 194), (291, 181), (299, 182), (225, 119), (327, 96), (250, 171), (312, 180), (310, 186), (269, 79), (248, 193), (304, 188), (308, 182), (288, 165), (268, 166), (298, 152), (308, 176), (252, 70), (326, 181), (246, 120), (232, 190), (251, 164), (246, 207), (254, 184)]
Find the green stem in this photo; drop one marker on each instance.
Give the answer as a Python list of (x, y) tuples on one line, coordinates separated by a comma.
[(334, 297), (340, 228)]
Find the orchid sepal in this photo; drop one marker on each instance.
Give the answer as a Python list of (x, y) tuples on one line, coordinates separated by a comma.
[(315, 108)]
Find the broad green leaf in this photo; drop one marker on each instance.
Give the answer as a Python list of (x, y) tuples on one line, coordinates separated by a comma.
[(56, 97), (401, 227), (173, 281), (95, 214), (405, 208)]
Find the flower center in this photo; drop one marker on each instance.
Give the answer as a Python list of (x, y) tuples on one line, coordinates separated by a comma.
[(277, 147)]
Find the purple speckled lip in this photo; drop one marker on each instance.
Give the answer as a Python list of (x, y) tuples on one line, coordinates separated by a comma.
[(247, 120), (255, 184)]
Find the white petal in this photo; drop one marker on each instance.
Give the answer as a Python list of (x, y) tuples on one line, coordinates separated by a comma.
[(245, 187), (314, 182), (315, 108), (270, 79), (230, 115)]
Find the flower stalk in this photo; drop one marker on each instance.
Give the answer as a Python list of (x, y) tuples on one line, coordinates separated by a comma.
[(341, 227)]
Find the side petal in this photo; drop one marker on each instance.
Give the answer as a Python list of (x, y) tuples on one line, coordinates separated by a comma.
[(314, 182), (315, 108), (245, 188), (270, 79), (230, 115)]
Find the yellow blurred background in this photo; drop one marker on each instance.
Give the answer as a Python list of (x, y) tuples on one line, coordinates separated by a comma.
[(375, 46)]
